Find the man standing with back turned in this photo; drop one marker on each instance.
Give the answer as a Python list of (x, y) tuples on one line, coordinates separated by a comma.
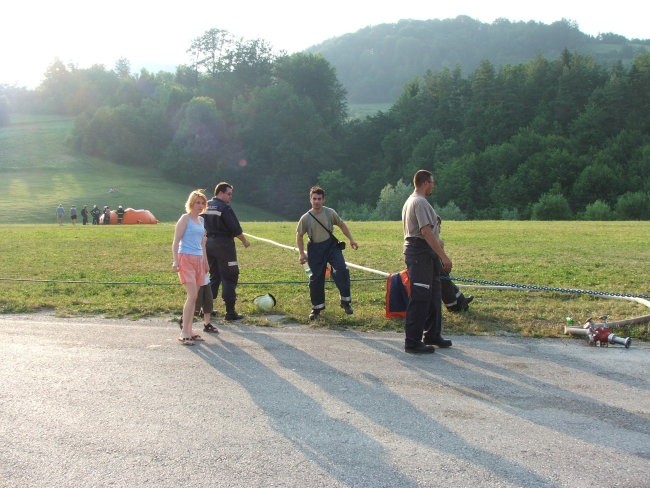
[(222, 226), (425, 259)]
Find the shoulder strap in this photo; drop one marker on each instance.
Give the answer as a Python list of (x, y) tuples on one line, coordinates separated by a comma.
[(321, 224)]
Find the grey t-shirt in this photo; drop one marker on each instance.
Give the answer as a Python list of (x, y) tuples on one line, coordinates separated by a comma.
[(417, 213), (307, 225)]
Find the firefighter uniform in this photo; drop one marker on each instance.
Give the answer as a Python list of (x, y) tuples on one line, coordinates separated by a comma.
[(222, 226), (322, 249), (318, 256), (424, 309)]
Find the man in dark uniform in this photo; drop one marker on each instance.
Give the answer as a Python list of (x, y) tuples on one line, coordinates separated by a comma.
[(95, 212), (222, 226), (425, 260), (120, 214), (84, 215)]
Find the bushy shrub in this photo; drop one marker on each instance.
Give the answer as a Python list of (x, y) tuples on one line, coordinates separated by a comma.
[(349, 210), (451, 211), (551, 206), (633, 206), (598, 210), (391, 200), (510, 214)]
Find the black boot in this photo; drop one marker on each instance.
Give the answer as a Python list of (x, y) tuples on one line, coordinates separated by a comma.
[(230, 312)]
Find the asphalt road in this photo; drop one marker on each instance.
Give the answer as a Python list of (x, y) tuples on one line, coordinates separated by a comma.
[(99, 402)]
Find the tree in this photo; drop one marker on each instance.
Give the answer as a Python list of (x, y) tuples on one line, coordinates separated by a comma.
[(484, 116), (580, 76), (67, 90), (128, 135), (551, 206), (634, 206), (286, 147), (212, 52), (312, 77), (639, 91), (431, 151), (391, 200), (598, 210), (596, 181), (252, 63), (361, 145), (451, 211), (123, 68), (201, 142), (337, 187)]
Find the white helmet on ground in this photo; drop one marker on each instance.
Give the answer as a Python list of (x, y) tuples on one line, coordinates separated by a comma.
[(264, 303)]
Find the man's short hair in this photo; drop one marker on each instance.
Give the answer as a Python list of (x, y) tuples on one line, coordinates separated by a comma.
[(222, 187), (317, 190), (421, 177)]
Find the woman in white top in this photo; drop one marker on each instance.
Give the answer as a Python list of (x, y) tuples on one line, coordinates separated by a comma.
[(190, 259)]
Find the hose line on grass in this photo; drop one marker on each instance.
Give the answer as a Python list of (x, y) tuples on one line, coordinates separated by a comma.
[(482, 283)]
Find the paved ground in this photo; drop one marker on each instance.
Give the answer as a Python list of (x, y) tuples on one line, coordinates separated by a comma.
[(94, 402)]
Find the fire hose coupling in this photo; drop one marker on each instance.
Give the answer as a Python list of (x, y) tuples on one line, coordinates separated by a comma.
[(598, 334)]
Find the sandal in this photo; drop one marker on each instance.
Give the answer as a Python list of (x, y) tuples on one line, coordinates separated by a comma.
[(197, 337), (186, 341), (210, 328)]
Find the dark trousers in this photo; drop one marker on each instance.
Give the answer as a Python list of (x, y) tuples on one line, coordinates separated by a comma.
[(319, 256), (424, 309), (204, 299), (224, 269)]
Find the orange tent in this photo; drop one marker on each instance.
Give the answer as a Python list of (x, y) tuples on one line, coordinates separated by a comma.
[(136, 217), (132, 216)]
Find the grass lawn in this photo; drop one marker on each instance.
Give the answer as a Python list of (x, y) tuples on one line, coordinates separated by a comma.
[(124, 271)]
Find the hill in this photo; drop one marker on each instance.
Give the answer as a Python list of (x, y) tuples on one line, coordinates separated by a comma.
[(374, 63), (38, 171)]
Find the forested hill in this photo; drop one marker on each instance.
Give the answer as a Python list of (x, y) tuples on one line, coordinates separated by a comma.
[(549, 138), (374, 63)]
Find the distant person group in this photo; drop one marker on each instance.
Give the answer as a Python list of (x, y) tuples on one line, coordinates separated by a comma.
[(204, 256), (98, 216)]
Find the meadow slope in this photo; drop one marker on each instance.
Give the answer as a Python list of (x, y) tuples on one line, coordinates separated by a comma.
[(38, 171)]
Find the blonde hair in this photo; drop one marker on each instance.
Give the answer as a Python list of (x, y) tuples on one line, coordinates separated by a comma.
[(194, 196)]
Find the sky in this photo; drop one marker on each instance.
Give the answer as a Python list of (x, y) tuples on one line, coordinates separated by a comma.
[(156, 34)]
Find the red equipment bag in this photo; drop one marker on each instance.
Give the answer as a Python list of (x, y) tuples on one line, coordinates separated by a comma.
[(398, 289)]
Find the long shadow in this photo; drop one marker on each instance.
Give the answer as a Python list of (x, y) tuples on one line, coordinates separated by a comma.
[(532, 401), (516, 349), (341, 450), (378, 403)]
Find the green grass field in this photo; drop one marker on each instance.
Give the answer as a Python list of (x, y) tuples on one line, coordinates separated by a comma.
[(124, 271)]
